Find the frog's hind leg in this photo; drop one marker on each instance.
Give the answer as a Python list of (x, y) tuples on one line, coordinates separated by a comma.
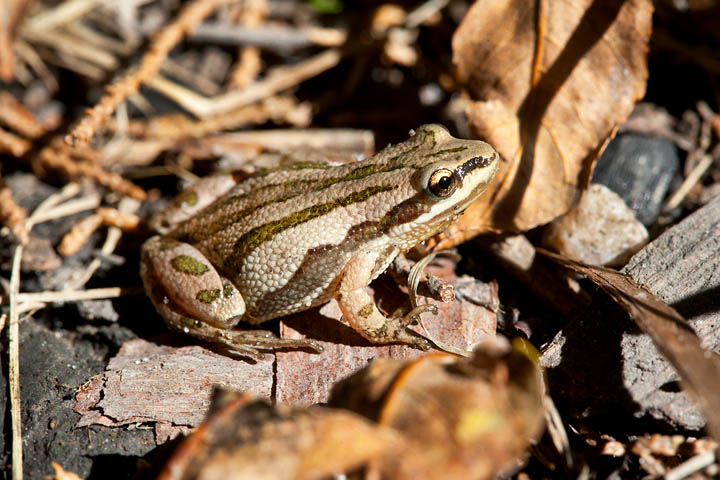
[(193, 297), (177, 271)]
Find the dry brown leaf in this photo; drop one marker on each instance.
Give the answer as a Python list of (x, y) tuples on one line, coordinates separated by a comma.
[(251, 439), (550, 81), (461, 418), (698, 367)]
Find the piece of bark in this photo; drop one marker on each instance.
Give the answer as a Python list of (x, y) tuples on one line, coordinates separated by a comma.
[(305, 378), (601, 366), (170, 387)]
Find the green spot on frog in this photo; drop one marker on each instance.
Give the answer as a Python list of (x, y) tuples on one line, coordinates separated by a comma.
[(188, 265), (366, 311), (188, 198), (444, 152), (208, 296), (228, 290)]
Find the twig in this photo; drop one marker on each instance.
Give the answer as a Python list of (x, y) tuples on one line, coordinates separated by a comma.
[(71, 207), (280, 79), (276, 38), (192, 14), (13, 144), (338, 139), (251, 13), (64, 13), (77, 295), (173, 126), (432, 287), (60, 159), (16, 116), (12, 11), (14, 366), (126, 209), (692, 465), (11, 214), (31, 57), (690, 181)]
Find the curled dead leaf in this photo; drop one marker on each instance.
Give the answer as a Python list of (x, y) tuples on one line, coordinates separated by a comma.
[(248, 438), (549, 83), (460, 418)]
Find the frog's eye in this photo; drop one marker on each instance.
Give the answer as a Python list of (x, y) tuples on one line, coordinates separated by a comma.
[(442, 182)]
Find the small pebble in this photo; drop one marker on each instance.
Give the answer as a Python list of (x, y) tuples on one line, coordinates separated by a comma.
[(639, 168), (599, 230)]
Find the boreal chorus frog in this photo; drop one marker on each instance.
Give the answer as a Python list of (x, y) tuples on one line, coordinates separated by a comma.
[(287, 239)]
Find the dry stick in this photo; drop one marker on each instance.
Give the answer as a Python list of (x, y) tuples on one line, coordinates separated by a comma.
[(16, 116), (14, 367), (11, 214), (690, 181), (275, 37), (280, 79), (77, 295), (11, 13), (251, 13), (70, 45), (31, 57), (338, 139), (64, 13), (13, 144), (189, 17), (68, 208)]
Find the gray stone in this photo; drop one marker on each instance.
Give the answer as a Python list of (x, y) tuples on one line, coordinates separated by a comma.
[(640, 169), (599, 230), (602, 366)]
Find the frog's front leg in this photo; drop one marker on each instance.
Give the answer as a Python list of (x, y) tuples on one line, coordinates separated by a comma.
[(360, 310), (193, 297)]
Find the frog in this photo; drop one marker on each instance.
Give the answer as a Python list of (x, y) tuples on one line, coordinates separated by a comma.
[(288, 239)]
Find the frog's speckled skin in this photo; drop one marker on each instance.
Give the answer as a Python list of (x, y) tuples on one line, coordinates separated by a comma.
[(288, 239)]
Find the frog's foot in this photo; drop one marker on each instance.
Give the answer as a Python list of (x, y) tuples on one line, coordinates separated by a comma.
[(245, 342), (251, 340), (396, 327)]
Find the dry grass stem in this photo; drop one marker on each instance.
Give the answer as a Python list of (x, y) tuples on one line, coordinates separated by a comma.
[(278, 80), (77, 295), (14, 115), (10, 14), (115, 218), (62, 14), (14, 366), (13, 144), (127, 207), (30, 56), (192, 14), (251, 13), (61, 160), (337, 139), (71, 207), (11, 214), (690, 181), (78, 235), (169, 128), (271, 37)]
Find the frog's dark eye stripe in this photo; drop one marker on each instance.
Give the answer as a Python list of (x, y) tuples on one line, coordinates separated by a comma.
[(472, 164)]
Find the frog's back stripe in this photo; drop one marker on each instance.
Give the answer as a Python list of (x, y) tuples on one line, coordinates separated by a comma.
[(264, 233), (216, 222)]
